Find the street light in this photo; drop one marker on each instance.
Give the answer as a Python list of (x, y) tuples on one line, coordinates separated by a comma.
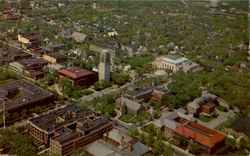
[(3, 94)]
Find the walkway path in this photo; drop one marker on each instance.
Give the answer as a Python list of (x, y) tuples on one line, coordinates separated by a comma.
[(223, 116)]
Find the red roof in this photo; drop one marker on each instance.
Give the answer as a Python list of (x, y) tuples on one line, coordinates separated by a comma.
[(6, 11), (200, 134), (75, 72)]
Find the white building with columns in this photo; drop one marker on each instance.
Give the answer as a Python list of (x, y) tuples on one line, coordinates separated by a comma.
[(175, 63)]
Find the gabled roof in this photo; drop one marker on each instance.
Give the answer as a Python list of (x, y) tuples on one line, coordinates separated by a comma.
[(200, 134)]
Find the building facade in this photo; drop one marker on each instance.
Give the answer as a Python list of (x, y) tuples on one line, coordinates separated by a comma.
[(104, 67), (78, 76), (68, 128), (176, 63)]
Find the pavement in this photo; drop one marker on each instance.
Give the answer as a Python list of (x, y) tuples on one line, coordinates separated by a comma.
[(223, 116)]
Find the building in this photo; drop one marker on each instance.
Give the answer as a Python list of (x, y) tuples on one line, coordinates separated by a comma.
[(79, 37), (11, 54), (112, 46), (204, 105), (79, 76), (104, 67), (57, 47), (68, 128), (23, 94), (136, 97), (29, 39), (31, 66), (55, 58), (176, 63), (54, 66), (209, 139), (170, 121), (115, 142), (10, 15)]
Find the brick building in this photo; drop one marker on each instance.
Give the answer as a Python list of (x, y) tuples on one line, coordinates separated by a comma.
[(203, 105), (79, 76), (31, 66), (11, 54), (136, 97), (66, 129), (210, 140), (29, 39), (170, 121)]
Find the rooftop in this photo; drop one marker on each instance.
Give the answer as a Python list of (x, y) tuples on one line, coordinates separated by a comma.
[(31, 92), (56, 55), (170, 119), (60, 117), (75, 72), (201, 134), (175, 59)]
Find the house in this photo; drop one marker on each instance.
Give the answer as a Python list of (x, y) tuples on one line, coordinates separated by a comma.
[(170, 121), (209, 139), (176, 63), (203, 105), (78, 76), (79, 37), (55, 58)]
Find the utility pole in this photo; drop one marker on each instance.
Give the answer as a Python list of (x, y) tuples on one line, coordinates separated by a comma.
[(2, 97)]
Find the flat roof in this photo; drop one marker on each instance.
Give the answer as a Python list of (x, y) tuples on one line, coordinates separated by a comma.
[(32, 92), (68, 114), (56, 55), (75, 72), (174, 59), (101, 148)]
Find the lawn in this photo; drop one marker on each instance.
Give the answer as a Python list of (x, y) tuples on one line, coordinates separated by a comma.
[(205, 118), (139, 118), (127, 118), (150, 129)]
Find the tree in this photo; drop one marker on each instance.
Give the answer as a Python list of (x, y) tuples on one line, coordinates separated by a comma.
[(102, 85), (230, 143), (50, 78), (168, 151), (194, 148), (159, 147), (124, 109), (142, 138), (150, 140), (119, 78), (65, 84), (182, 140), (133, 132), (80, 152)]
